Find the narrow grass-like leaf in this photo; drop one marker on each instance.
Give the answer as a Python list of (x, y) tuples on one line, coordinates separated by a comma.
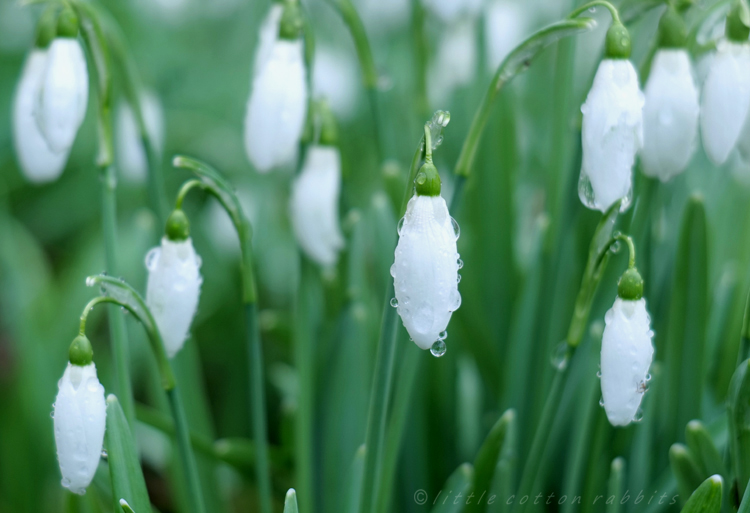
[(457, 485), (738, 406), (125, 506), (703, 449), (686, 470), (685, 351), (616, 485), (354, 490), (124, 466), (707, 498), (487, 458), (290, 502)]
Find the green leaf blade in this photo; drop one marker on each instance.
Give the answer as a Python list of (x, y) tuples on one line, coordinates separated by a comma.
[(707, 498)]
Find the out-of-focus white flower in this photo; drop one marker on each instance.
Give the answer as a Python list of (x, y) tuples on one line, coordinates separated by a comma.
[(173, 289), (315, 205), (267, 36), (425, 271), (505, 25), (37, 161), (131, 155), (80, 418), (450, 10), (455, 61), (726, 99), (64, 93), (382, 16), (336, 78), (612, 134), (276, 110), (626, 357), (670, 115)]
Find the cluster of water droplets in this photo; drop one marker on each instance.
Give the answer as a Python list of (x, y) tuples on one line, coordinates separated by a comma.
[(588, 198)]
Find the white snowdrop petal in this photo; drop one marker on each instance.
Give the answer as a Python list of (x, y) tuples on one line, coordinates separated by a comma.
[(267, 36), (37, 161), (314, 205), (612, 132), (455, 61), (670, 115), (131, 155), (173, 289), (79, 417), (726, 99), (276, 110), (626, 357), (425, 271), (64, 94)]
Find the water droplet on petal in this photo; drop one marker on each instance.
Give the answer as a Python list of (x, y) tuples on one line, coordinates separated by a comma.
[(601, 402), (458, 278), (638, 415), (52, 414), (394, 302), (615, 247), (456, 228), (443, 335), (152, 258), (400, 226), (105, 455), (599, 374), (421, 178), (460, 264), (438, 348), (592, 9)]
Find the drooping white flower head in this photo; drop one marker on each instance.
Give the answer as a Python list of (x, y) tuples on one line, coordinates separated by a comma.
[(267, 36), (612, 134), (455, 61), (450, 10), (79, 417), (37, 161), (670, 115), (173, 289), (626, 357), (505, 25), (131, 155), (726, 99), (64, 94), (315, 205)]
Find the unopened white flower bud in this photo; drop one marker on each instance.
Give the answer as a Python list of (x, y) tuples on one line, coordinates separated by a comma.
[(425, 271), (79, 416), (268, 34), (626, 357), (670, 115), (315, 205), (612, 134), (277, 106), (37, 161), (131, 154), (726, 99), (173, 289), (64, 93)]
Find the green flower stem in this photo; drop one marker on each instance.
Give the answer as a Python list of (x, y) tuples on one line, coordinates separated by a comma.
[(631, 248), (186, 187), (164, 423), (185, 448), (215, 184), (594, 4), (420, 44), (367, 62)]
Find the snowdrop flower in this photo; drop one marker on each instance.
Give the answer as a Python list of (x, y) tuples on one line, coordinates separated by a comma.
[(65, 87), (726, 92), (37, 161), (450, 10), (79, 418), (131, 155), (425, 271), (612, 131), (505, 24), (174, 283), (627, 349), (278, 101), (315, 202), (671, 111), (455, 61)]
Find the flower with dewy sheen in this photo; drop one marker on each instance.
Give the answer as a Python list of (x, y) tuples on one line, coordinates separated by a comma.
[(174, 283), (80, 418), (64, 90), (277, 106), (425, 270), (612, 130)]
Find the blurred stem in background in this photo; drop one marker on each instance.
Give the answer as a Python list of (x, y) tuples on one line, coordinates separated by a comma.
[(212, 182)]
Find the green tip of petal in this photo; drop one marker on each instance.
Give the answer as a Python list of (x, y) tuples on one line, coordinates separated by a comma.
[(178, 226), (81, 353), (428, 180), (630, 286), (291, 24), (618, 43)]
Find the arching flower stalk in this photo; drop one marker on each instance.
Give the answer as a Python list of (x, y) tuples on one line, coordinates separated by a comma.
[(174, 282), (671, 111), (79, 417), (612, 131), (37, 161), (627, 349), (726, 92), (278, 100), (65, 86), (425, 271), (314, 202)]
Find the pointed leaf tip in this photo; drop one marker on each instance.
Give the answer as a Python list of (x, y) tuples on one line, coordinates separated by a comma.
[(707, 498), (290, 503)]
